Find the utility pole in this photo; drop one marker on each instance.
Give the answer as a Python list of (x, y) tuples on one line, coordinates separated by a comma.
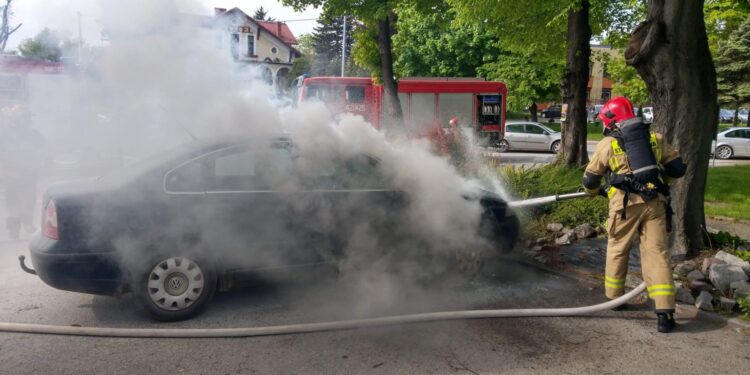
[(343, 49), (80, 38)]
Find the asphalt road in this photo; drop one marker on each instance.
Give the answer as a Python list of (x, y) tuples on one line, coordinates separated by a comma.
[(611, 342)]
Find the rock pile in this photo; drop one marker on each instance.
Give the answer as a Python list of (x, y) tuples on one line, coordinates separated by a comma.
[(716, 283)]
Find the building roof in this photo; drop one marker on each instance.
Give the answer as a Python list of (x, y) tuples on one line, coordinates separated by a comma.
[(280, 30)]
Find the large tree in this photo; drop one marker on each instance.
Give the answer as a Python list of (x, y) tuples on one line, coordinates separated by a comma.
[(6, 30), (328, 36), (46, 46), (549, 30), (262, 14), (670, 50)]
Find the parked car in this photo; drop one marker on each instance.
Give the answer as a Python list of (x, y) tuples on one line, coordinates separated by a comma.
[(177, 227), (743, 115), (726, 115), (529, 136), (648, 115), (732, 142), (552, 112)]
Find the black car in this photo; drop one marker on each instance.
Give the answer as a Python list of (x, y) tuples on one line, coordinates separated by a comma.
[(552, 112), (176, 228)]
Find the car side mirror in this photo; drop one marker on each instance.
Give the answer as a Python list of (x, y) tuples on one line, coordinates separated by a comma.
[(546, 132)]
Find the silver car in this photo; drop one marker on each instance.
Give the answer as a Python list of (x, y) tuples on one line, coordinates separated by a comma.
[(733, 142), (523, 135)]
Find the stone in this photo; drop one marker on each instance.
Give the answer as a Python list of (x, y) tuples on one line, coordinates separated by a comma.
[(695, 275), (554, 227), (683, 295), (707, 263), (585, 230), (733, 260), (740, 289), (698, 285), (704, 301), (727, 304), (722, 275), (683, 269), (565, 239)]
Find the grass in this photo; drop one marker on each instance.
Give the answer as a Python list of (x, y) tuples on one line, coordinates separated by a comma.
[(728, 192)]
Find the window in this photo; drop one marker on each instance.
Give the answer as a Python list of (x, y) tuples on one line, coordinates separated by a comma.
[(355, 94), (323, 93), (733, 134), (459, 105), (515, 128), (188, 178), (234, 45), (533, 129), (243, 169), (250, 45), (360, 172)]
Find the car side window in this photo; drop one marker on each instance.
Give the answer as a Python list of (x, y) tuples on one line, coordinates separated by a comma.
[(733, 134), (533, 129), (514, 129), (187, 178), (245, 169)]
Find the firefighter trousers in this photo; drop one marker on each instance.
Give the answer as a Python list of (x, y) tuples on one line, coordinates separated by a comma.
[(648, 221)]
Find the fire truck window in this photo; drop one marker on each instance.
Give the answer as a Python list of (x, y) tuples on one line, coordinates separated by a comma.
[(355, 94), (422, 110), (459, 105)]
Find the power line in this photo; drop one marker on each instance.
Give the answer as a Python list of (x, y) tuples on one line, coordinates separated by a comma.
[(300, 20)]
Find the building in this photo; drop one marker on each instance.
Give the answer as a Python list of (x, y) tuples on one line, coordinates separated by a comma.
[(600, 85), (269, 47)]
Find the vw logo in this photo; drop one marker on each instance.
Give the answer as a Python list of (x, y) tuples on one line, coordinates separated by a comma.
[(175, 283)]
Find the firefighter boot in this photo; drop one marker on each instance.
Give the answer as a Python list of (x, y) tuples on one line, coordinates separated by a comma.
[(666, 322)]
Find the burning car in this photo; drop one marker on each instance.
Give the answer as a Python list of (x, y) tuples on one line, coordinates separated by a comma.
[(176, 228)]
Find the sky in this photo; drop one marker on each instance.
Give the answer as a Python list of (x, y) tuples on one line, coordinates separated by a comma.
[(62, 15)]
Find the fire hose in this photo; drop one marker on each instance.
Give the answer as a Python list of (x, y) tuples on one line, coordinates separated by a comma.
[(333, 325)]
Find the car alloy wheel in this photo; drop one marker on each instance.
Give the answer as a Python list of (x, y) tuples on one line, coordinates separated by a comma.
[(503, 145), (724, 152), (175, 284), (470, 261), (555, 147)]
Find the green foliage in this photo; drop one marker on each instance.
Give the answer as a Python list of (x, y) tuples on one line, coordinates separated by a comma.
[(733, 67), (327, 41), (626, 80), (744, 305), (723, 17), (300, 66), (549, 180), (528, 77), (724, 240), (45, 46), (261, 14), (365, 51), (306, 43), (743, 254), (431, 44)]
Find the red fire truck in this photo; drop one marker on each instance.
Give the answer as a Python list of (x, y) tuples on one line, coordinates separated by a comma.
[(427, 103)]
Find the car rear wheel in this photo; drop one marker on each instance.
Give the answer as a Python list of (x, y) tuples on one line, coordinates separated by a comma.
[(724, 152), (176, 288), (503, 146), (470, 261), (555, 148)]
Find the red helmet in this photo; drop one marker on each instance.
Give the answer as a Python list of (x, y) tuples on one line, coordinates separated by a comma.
[(453, 121), (615, 111)]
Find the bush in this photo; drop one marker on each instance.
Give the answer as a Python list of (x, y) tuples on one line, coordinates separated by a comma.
[(549, 180), (724, 240), (744, 304)]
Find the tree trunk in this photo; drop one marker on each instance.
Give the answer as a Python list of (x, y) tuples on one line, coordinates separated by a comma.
[(736, 117), (670, 52), (532, 112), (394, 117), (574, 151)]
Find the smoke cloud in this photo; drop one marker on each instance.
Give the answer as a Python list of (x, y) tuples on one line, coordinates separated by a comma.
[(162, 80)]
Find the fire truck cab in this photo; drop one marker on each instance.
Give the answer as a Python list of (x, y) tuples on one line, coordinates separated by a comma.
[(426, 103)]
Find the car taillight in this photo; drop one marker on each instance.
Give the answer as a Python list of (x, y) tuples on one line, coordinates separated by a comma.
[(49, 223)]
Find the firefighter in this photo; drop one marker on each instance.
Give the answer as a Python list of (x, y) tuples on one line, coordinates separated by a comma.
[(455, 143), (637, 165), (20, 150)]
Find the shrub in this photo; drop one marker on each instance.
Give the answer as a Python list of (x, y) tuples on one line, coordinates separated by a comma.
[(744, 304)]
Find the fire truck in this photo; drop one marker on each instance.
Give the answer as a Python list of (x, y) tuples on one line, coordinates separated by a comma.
[(427, 103)]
